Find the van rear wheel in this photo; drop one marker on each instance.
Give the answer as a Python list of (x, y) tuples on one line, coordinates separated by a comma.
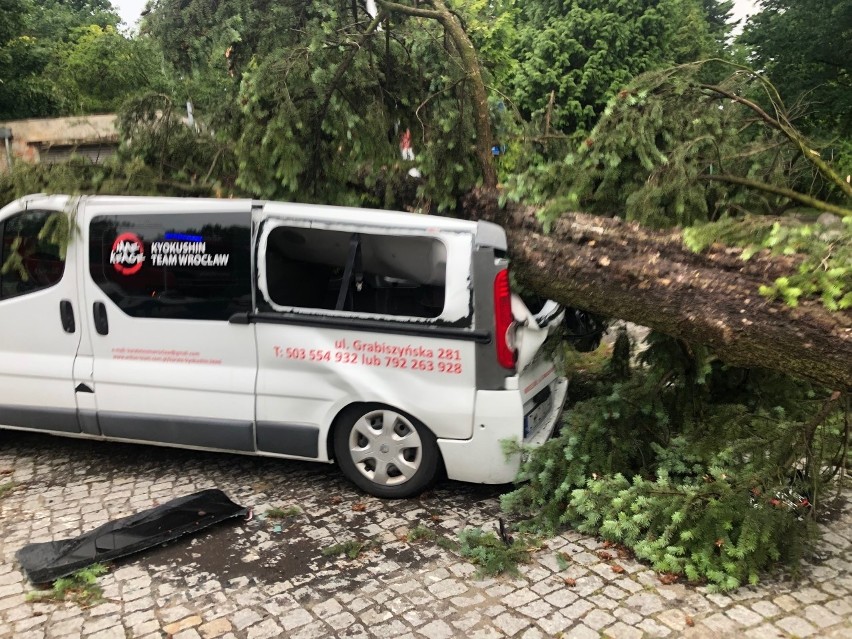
[(385, 452)]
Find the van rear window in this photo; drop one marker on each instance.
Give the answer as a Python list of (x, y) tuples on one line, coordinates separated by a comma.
[(398, 275), (177, 266)]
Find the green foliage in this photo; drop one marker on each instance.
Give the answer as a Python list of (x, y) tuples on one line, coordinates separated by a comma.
[(673, 148), (79, 176), (586, 51), (41, 44), (701, 469), (806, 46), (492, 555), (825, 270), (266, 76), (162, 140), (81, 587), (123, 67)]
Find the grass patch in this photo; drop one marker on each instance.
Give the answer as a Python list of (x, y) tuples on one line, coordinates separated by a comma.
[(492, 555), (81, 587), (352, 548), (422, 533), (283, 513), (6, 488)]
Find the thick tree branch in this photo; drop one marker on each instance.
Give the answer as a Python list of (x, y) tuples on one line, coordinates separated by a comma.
[(790, 133), (482, 122), (807, 200), (624, 270)]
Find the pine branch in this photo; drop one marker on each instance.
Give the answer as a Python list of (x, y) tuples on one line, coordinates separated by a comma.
[(807, 200), (789, 132)]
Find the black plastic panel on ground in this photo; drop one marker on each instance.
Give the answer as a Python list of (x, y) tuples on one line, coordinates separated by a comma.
[(47, 561)]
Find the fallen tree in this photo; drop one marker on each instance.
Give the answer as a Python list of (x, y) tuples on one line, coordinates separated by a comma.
[(621, 269)]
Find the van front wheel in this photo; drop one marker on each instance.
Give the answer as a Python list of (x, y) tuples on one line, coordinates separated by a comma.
[(385, 452)]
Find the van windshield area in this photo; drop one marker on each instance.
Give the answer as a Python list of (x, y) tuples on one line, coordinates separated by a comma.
[(397, 275)]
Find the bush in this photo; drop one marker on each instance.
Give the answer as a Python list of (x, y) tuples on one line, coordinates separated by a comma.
[(703, 470)]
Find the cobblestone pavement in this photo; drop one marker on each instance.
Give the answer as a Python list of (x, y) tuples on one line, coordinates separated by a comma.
[(268, 577)]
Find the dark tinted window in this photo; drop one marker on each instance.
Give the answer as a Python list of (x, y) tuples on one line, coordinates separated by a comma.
[(27, 263), (399, 275), (178, 266)]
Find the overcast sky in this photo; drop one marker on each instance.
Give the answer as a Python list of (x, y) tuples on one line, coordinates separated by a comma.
[(130, 9)]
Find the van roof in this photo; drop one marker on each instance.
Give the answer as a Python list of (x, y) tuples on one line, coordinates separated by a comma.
[(486, 233)]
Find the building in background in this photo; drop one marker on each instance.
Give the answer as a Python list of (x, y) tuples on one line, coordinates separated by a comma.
[(50, 140)]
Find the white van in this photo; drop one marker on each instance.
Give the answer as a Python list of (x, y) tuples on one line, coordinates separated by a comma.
[(383, 341)]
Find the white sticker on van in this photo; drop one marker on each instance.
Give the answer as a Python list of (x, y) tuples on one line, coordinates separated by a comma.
[(128, 254), (192, 253)]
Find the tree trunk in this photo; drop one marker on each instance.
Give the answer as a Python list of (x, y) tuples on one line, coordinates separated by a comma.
[(470, 64), (620, 269)]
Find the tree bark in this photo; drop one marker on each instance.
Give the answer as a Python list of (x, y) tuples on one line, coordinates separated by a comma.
[(620, 269)]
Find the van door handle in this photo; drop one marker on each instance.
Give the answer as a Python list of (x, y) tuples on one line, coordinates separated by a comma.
[(66, 314), (101, 322)]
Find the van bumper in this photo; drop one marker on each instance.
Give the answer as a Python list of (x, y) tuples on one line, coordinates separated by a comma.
[(499, 416)]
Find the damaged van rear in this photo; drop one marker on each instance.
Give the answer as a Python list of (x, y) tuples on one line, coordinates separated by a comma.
[(389, 343)]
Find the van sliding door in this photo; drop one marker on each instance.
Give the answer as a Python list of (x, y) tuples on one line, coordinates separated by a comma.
[(163, 280)]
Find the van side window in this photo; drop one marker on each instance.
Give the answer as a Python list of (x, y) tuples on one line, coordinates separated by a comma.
[(177, 266), (27, 263), (400, 275)]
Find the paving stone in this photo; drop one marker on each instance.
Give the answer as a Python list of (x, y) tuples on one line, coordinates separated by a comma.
[(743, 616), (267, 629), (437, 629), (554, 623), (766, 609), (796, 626), (621, 630), (113, 632), (295, 618), (765, 631), (581, 632), (786, 603), (561, 598), (821, 616), (215, 628), (511, 623), (536, 609), (840, 607), (519, 597), (645, 603), (183, 624), (99, 623), (244, 618), (651, 628), (809, 595), (598, 619)]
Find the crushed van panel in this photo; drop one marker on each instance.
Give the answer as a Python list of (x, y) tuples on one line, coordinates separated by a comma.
[(44, 562)]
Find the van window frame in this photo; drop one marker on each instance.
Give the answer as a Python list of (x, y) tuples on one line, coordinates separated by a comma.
[(153, 225), (322, 316), (4, 257)]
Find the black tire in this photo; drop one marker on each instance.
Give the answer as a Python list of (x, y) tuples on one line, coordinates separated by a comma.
[(384, 451)]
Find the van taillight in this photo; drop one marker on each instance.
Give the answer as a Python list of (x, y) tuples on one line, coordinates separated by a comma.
[(503, 319)]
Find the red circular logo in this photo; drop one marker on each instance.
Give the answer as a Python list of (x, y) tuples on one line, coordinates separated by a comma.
[(128, 254)]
